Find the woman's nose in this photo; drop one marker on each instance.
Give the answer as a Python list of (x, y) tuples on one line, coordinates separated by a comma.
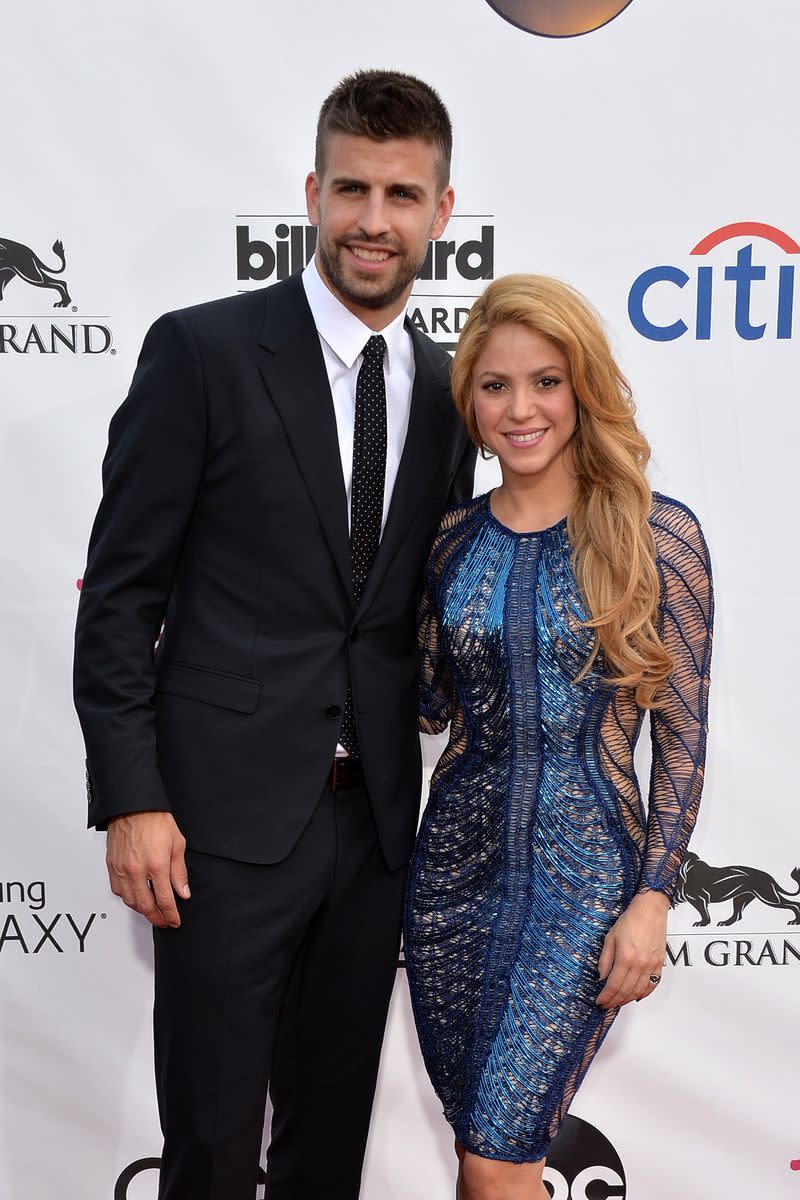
[(521, 404)]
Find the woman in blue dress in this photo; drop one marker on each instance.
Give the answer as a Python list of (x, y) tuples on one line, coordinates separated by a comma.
[(557, 610)]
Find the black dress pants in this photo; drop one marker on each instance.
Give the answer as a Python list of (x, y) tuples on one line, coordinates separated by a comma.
[(279, 973)]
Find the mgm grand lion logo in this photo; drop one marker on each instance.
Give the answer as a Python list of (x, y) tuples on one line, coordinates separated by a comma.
[(19, 262), (701, 885)]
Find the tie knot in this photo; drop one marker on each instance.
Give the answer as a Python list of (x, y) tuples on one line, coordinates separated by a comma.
[(375, 349)]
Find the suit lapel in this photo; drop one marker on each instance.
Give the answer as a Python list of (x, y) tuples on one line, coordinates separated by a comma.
[(423, 452), (293, 369)]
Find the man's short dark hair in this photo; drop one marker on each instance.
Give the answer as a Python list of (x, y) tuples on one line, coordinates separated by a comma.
[(383, 105)]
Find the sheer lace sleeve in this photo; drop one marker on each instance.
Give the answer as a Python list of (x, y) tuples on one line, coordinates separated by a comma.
[(436, 683), (679, 727), (436, 678)]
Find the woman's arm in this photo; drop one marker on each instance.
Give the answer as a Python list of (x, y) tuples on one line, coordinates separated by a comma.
[(436, 685), (634, 949), (679, 726)]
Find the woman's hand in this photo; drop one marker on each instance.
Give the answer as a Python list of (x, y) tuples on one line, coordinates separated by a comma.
[(633, 950)]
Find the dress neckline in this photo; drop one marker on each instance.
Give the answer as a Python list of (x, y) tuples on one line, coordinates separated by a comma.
[(515, 533)]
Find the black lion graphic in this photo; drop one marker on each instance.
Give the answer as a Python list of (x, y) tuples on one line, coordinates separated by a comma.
[(18, 260), (701, 885)]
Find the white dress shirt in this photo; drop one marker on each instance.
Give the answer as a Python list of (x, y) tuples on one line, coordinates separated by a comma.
[(343, 337)]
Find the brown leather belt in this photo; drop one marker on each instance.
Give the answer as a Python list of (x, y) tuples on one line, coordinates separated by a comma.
[(345, 773)]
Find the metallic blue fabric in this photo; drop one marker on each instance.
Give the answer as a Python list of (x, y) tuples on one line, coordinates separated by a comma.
[(535, 837)]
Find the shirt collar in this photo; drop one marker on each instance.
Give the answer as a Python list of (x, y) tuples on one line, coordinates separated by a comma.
[(341, 329)]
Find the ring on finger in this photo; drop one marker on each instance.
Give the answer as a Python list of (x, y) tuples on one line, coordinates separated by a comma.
[(654, 979)]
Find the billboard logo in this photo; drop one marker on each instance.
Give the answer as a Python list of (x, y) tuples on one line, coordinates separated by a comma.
[(277, 253), (565, 19), (286, 248), (271, 248), (660, 295)]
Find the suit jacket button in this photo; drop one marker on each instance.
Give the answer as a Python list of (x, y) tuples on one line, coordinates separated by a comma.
[(333, 712), (354, 634)]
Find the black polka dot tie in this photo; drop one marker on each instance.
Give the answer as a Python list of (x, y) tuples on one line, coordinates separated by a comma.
[(369, 476)]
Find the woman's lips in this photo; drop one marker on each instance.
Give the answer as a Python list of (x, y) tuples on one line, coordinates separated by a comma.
[(525, 437)]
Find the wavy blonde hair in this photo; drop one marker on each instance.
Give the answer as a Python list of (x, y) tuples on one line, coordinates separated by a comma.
[(614, 554)]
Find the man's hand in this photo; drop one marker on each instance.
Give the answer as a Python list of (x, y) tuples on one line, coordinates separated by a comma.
[(144, 856), (634, 950)]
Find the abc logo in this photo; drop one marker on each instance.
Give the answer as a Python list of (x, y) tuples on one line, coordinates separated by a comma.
[(583, 1165), (564, 19), (124, 1191)]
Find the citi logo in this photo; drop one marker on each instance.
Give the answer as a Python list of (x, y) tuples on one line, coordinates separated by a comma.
[(666, 302), (282, 246)]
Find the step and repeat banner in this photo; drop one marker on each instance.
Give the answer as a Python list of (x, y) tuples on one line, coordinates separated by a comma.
[(155, 157)]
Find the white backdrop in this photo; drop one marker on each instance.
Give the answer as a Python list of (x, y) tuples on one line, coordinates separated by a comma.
[(141, 136)]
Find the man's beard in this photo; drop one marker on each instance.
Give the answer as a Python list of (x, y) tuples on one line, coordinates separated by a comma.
[(363, 294)]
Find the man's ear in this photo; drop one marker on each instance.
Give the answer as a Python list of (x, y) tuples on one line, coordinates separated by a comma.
[(443, 211), (312, 197)]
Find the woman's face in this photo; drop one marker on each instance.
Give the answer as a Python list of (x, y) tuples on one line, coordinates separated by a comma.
[(525, 407)]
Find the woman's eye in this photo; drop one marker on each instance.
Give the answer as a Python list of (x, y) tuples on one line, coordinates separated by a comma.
[(492, 385), (548, 382)]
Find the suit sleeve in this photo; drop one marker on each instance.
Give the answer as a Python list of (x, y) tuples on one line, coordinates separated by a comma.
[(679, 727), (463, 485), (152, 473)]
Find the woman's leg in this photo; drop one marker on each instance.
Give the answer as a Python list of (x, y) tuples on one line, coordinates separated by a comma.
[(488, 1179), (460, 1152)]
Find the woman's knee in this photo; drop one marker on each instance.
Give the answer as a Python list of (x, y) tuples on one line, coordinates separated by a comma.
[(490, 1179)]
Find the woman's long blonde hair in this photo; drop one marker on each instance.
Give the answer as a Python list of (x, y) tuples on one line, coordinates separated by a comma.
[(614, 555)]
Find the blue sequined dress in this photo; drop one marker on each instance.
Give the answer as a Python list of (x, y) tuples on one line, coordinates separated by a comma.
[(535, 837)]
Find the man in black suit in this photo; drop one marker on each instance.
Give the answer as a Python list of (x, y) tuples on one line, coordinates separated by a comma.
[(271, 487)]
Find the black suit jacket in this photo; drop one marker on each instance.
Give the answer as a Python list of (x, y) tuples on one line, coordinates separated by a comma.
[(224, 514)]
